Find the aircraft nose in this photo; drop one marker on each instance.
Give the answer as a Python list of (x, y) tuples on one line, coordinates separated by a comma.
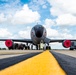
[(39, 33)]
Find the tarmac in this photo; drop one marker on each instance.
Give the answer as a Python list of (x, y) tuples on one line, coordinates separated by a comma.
[(65, 59), (67, 62), (67, 52), (13, 53)]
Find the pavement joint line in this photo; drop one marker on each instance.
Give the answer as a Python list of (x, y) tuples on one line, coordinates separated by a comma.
[(41, 64)]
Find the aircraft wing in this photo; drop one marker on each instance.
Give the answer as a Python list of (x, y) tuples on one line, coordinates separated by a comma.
[(18, 40), (61, 40), (65, 42), (47, 40)]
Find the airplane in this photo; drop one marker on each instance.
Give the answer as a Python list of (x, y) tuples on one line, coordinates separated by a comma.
[(38, 34)]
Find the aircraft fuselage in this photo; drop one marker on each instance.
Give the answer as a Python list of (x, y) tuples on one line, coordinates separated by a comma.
[(38, 33)]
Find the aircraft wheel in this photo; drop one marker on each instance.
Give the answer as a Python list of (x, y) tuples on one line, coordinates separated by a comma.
[(28, 47), (71, 49), (48, 48), (25, 47)]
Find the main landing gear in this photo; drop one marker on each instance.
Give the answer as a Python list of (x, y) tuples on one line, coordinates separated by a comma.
[(48, 48), (44, 47), (27, 48)]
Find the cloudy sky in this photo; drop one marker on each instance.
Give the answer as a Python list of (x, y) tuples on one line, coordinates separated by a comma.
[(17, 17)]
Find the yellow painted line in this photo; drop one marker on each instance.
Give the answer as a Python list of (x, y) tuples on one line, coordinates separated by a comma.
[(42, 64)]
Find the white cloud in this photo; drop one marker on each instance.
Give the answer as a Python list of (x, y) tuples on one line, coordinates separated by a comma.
[(22, 16), (2, 18), (49, 22), (25, 33), (25, 16), (66, 19), (67, 36), (62, 6), (37, 4), (52, 33), (60, 33), (65, 30), (55, 34), (64, 10), (4, 33)]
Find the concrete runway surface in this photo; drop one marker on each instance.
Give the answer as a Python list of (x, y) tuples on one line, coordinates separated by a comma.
[(8, 58), (68, 63), (12, 53), (67, 52), (67, 60)]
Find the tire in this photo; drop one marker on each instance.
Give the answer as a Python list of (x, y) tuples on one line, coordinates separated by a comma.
[(48, 48), (71, 49)]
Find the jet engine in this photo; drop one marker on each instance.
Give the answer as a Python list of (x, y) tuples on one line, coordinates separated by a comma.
[(11, 45), (66, 43)]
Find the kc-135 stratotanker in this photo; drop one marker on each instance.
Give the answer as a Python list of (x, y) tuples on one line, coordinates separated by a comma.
[(38, 35)]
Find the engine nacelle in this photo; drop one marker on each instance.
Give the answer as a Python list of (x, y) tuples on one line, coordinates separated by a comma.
[(66, 43), (9, 43), (21, 46)]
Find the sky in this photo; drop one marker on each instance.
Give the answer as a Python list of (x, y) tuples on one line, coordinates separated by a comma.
[(17, 17)]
